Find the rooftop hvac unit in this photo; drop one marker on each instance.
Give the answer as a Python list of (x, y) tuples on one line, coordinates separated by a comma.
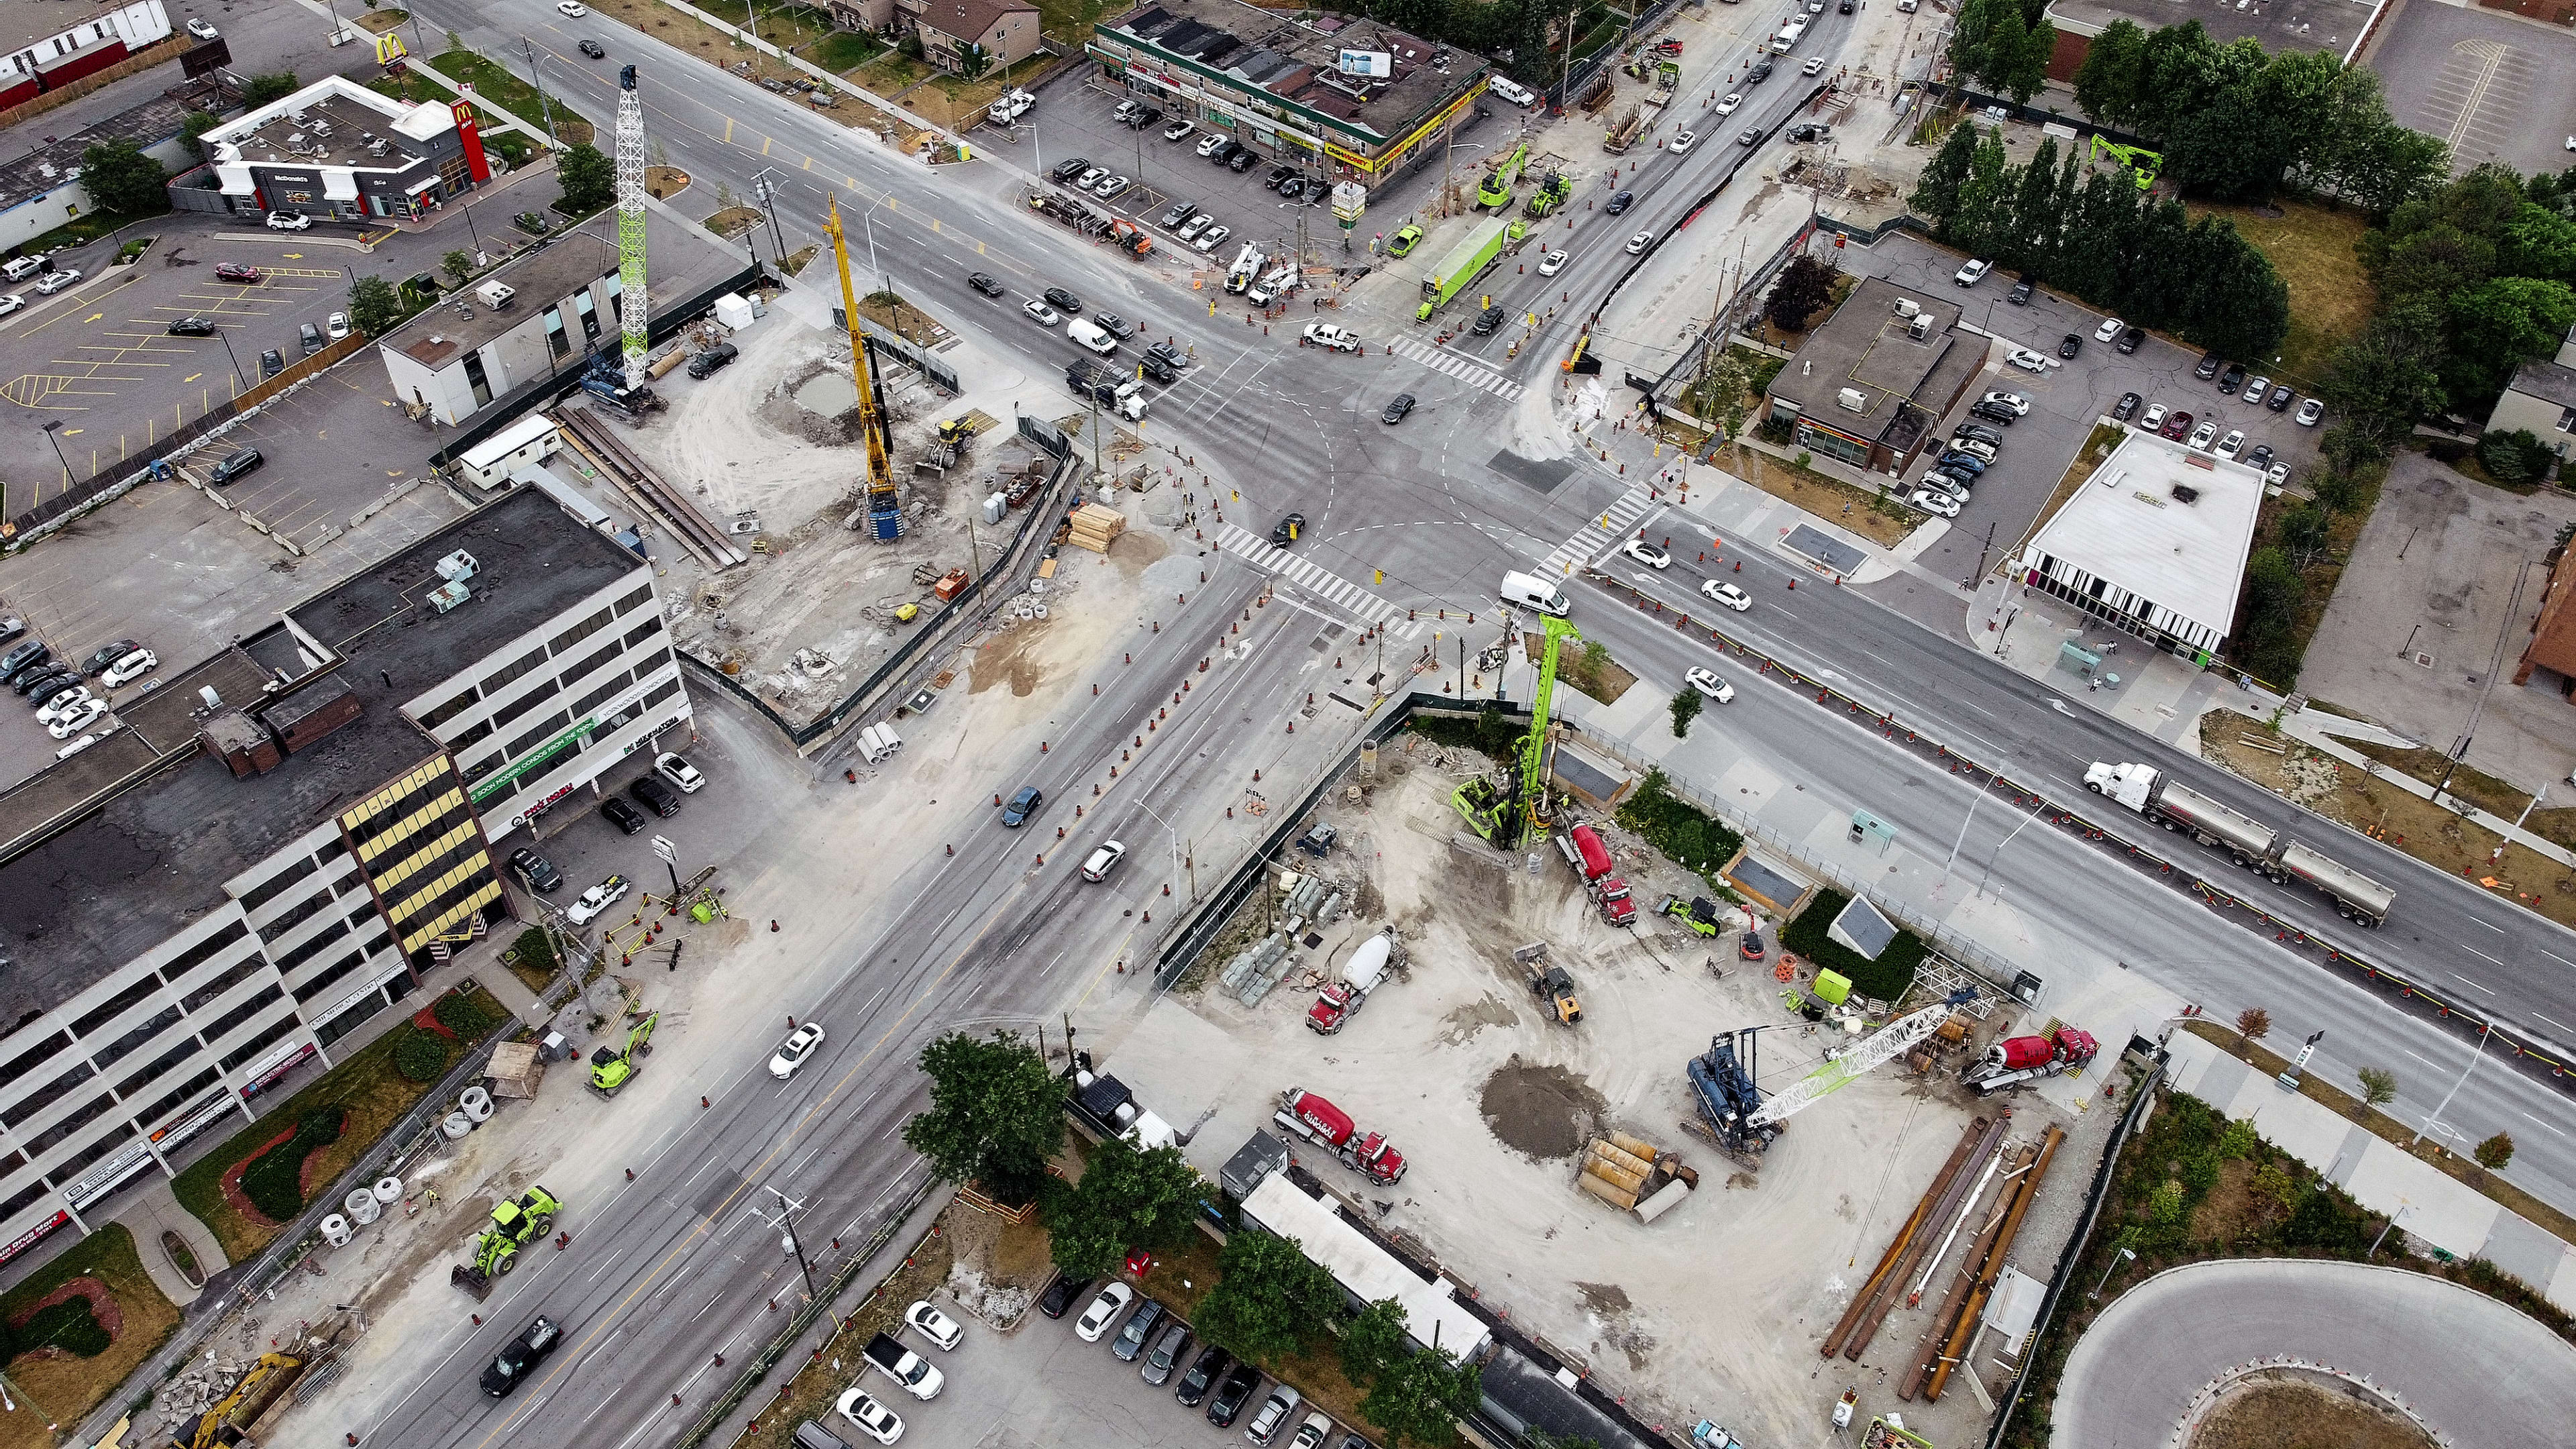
[(295, 142), (2116, 479), (448, 596), (457, 567), (1907, 306), (1851, 401), (2185, 493), (1920, 327), (321, 128)]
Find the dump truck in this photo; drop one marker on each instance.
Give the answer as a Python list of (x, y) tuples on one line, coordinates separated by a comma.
[(1338, 1001), (2249, 842), (515, 1225), (611, 1068), (1472, 257), (1583, 850), (1311, 1117), (2015, 1060), (1115, 391)]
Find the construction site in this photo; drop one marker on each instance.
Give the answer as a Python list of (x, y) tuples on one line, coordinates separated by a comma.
[(1622, 1136)]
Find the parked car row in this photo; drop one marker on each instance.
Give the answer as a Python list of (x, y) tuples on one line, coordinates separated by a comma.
[(1156, 1340), (889, 1356), (1946, 487), (69, 697)]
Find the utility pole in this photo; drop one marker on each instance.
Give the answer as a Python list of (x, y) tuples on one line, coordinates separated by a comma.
[(786, 1223), (1982, 551), (545, 108)]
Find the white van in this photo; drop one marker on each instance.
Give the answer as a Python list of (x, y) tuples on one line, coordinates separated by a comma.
[(1529, 591), (1511, 90), (1091, 335)]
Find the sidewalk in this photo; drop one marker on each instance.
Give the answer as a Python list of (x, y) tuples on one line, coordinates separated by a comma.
[(2435, 1208)]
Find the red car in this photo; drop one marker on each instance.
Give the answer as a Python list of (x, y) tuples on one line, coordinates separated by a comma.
[(235, 272), (2178, 426)]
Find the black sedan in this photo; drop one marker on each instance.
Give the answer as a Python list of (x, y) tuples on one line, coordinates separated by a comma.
[(2070, 345), (1201, 1377), (1398, 406), (2128, 407), (520, 1358), (192, 327), (984, 284), (2129, 340), (1619, 203), (1063, 301), (1287, 530), (1061, 1295), (1227, 1404), (592, 48)]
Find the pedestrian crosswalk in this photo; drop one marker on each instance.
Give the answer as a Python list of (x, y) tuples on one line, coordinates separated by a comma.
[(1323, 583), (1631, 511), (1472, 374)]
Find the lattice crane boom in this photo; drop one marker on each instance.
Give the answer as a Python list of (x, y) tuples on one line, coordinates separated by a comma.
[(630, 225), (1841, 1069)]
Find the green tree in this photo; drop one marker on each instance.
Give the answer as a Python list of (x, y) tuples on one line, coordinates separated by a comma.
[(2507, 321), (2270, 605), (589, 179), (119, 177), (1936, 192), (2007, 34), (192, 130), (996, 1114), (1373, 1341), (1805, 287), (1685, 707), (374, 307), (2106, 84), (2018, 56), (458, 264), (2538, 242), (1126, 1199), (1969, 37), (1723, 391), (259, 90), (2378, 1085), (1421, 1396), (1269, 1298), (2514, 457), (973, 60), (2382, 381), (2303, 531), (2494, 1153)]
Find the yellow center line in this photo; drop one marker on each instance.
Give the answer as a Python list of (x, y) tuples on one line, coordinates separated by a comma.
[(785, 1141)]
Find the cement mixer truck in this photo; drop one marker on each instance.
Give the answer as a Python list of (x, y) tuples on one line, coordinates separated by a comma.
[(1341, 1000), (1306, 1115), (2015, 1060)]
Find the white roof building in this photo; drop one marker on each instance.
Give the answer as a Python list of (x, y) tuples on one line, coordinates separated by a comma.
[(2155, 541), (1367, 1272)]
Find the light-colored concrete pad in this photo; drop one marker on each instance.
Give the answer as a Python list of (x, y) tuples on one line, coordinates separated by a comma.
[(2449, 1215)]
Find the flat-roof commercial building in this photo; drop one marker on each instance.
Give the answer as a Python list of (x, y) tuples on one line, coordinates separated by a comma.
[(44, 53), (1367, 1272), (338, 150), (2155, 541), (1872, 382), (268, 849), (1358, 100)]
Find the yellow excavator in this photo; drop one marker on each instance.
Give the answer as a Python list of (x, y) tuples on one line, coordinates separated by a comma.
[(230, 1418)]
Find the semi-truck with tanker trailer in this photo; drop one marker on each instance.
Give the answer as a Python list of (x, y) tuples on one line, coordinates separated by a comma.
[(1472, 257), (2248, 841)]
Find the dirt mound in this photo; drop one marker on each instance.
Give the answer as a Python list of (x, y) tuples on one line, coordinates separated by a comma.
[(1544, 1111), (2283, 1415)]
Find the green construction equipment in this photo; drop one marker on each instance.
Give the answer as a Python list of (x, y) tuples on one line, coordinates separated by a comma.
[(1554, 192), (515, 1225), (611, 1068), (1699, 913), (1495, 191), (1508, 815), (2142, 163)]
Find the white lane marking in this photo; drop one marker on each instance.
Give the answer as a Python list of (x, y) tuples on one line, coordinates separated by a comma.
[(2463, 980)]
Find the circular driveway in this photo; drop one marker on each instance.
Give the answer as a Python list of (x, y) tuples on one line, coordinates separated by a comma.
[(2472, 1369)]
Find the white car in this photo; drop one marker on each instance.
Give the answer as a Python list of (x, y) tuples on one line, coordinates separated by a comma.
[(2153, 419), (874, 1419), (1326, 334), (2027, 360), (1209, 142), (72, 699), (130, 668), (1728, 594), (1814, 66), (2232, 444), (1090, 177), (1647, 554), (201, 29), (289, 221), (2020, 405), (684, 777), (2276, 475), (2204, 435), (573, 8), (2109, 329), (52, 282), (1973, 272), (337, 326), (1682, 142), (1212, 238), (1192, 226), (1707, 682), (595, 901), (19, 269), (934, 1325), (11, 302), (1727, 107), (1040, 313), (80, 718), (1934, 502), (1551, 264), (1178, 130), (1104, 860), (1638, 242), (1112, 188), (1104, 1311), (796, 1051), (2310, 411)]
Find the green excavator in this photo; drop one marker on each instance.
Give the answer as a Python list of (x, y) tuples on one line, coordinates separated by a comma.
[(515, 1225), (1495, 192), (1506, 814), (611, 1068)]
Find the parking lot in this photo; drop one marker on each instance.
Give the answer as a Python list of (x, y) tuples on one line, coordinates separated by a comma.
[(2066, 399), (2481, 83)]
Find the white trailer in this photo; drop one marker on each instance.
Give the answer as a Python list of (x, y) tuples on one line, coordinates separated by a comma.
[(513, 454)]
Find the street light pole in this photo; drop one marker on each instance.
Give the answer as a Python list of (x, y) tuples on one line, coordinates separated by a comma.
[(53, 430), (545, 108), (787, 1206), (2456, 1086), (229, 357)]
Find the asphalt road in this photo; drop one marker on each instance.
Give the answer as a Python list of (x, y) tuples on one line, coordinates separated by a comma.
[(2473, 1370)]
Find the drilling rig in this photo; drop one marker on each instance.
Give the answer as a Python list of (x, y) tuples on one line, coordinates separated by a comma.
[(885, 510), (1508, 814), (630, 225)]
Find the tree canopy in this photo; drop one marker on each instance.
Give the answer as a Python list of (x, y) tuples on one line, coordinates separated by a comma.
[(589, 178), (119, 177), (1126, 1199), (1269, 1298), (374, 307), (996, 1114)]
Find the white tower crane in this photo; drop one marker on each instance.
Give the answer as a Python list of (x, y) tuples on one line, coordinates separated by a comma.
[(630, 225), (1840, 1069)]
